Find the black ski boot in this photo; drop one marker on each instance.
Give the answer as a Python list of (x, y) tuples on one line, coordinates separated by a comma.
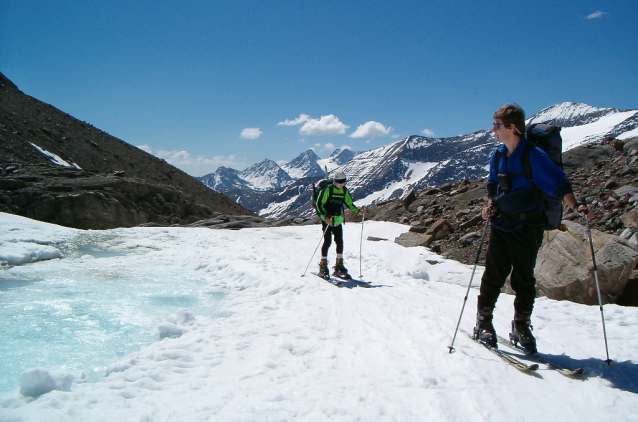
[(484, 330), (522, 332), (323, 269), (341, 271)]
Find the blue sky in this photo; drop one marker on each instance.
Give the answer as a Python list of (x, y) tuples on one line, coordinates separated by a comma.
[(210, 83)]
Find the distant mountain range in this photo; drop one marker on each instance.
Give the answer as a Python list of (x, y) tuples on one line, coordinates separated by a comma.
[(268, 175), (414, 162)]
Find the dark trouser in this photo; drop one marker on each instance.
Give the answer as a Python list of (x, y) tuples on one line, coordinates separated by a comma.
[(513, 252), (337, 232)]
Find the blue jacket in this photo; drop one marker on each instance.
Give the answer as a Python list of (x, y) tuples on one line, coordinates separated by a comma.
[(550, 179)]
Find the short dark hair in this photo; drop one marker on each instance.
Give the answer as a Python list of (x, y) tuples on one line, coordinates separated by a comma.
[(512, 114)]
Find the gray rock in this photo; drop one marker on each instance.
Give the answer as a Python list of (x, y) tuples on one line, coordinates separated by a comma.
[(564, 269), (410, 240), (626, 190), (630, 219), (474, 221), (408, 198), (469, 238), (439, 229)]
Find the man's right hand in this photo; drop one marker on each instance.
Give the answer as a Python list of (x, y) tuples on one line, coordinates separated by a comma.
[(328, 220), (489, 211)]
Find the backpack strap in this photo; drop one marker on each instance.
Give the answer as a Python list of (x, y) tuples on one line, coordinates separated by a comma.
[(527, 169)]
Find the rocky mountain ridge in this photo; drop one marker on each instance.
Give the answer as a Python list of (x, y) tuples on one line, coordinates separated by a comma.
[(58, 169), (417, 162), (269, 176)]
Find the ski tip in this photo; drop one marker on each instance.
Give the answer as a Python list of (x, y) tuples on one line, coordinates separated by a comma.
[(533, 367), (452, 350)]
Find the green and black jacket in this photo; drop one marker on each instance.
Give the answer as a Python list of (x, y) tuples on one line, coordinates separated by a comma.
[(330, 203)]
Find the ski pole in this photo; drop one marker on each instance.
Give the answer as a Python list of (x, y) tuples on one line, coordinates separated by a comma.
[(361, 243), (478, 256), (313, 254), (583, 201)]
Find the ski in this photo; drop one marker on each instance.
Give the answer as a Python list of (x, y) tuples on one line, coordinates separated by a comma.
[(521, 366), (348, 277), (333, 281), (542, 359)]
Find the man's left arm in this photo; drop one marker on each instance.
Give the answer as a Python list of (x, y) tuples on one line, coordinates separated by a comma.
[(553, 181), (347, 199)]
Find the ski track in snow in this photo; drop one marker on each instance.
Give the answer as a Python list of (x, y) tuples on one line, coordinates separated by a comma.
[(297, 348)]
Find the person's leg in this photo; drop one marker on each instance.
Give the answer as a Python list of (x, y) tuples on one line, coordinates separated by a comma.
[(528, 241), (525, 244), (497, 268), (327, 239), (338, 234)]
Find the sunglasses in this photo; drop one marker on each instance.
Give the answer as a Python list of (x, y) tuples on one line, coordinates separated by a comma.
[(340, 181), (497, 126)]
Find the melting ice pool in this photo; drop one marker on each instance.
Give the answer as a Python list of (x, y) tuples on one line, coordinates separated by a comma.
[(91, 308)]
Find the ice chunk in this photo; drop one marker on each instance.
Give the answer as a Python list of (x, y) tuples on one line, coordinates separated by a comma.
[(37, 381), (183, 316), (168, 329), (22, 253), (120, 366)]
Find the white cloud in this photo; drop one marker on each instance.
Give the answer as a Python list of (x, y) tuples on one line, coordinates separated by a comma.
[(250, 133), (329, 145), (427, 132), (597, 14), (299, 120), (345, 147), (370, 129), (326, 125)]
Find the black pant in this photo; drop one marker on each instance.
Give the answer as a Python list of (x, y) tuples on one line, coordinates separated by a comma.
[(337, 232), (513, 252)]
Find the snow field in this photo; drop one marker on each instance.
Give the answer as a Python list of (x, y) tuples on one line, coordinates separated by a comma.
[(298, 348)]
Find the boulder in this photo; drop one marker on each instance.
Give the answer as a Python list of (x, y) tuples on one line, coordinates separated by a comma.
[(418, 229), (564, 269), (439, 229), (630, 219), (469, 238), (408, 198), (474, 221), (410, 240)]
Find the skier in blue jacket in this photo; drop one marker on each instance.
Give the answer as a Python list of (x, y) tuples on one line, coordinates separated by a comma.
[(517, 225)]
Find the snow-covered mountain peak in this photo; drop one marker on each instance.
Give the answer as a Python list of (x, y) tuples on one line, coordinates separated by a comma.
[(304, 165), (265, 175), (570, 114), (338, 158)]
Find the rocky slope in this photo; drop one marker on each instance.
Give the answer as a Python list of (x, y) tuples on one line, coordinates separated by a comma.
[(58, 169), (447, 218)]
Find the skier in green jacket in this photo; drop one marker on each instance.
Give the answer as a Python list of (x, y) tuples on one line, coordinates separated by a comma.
[(329, 205)]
